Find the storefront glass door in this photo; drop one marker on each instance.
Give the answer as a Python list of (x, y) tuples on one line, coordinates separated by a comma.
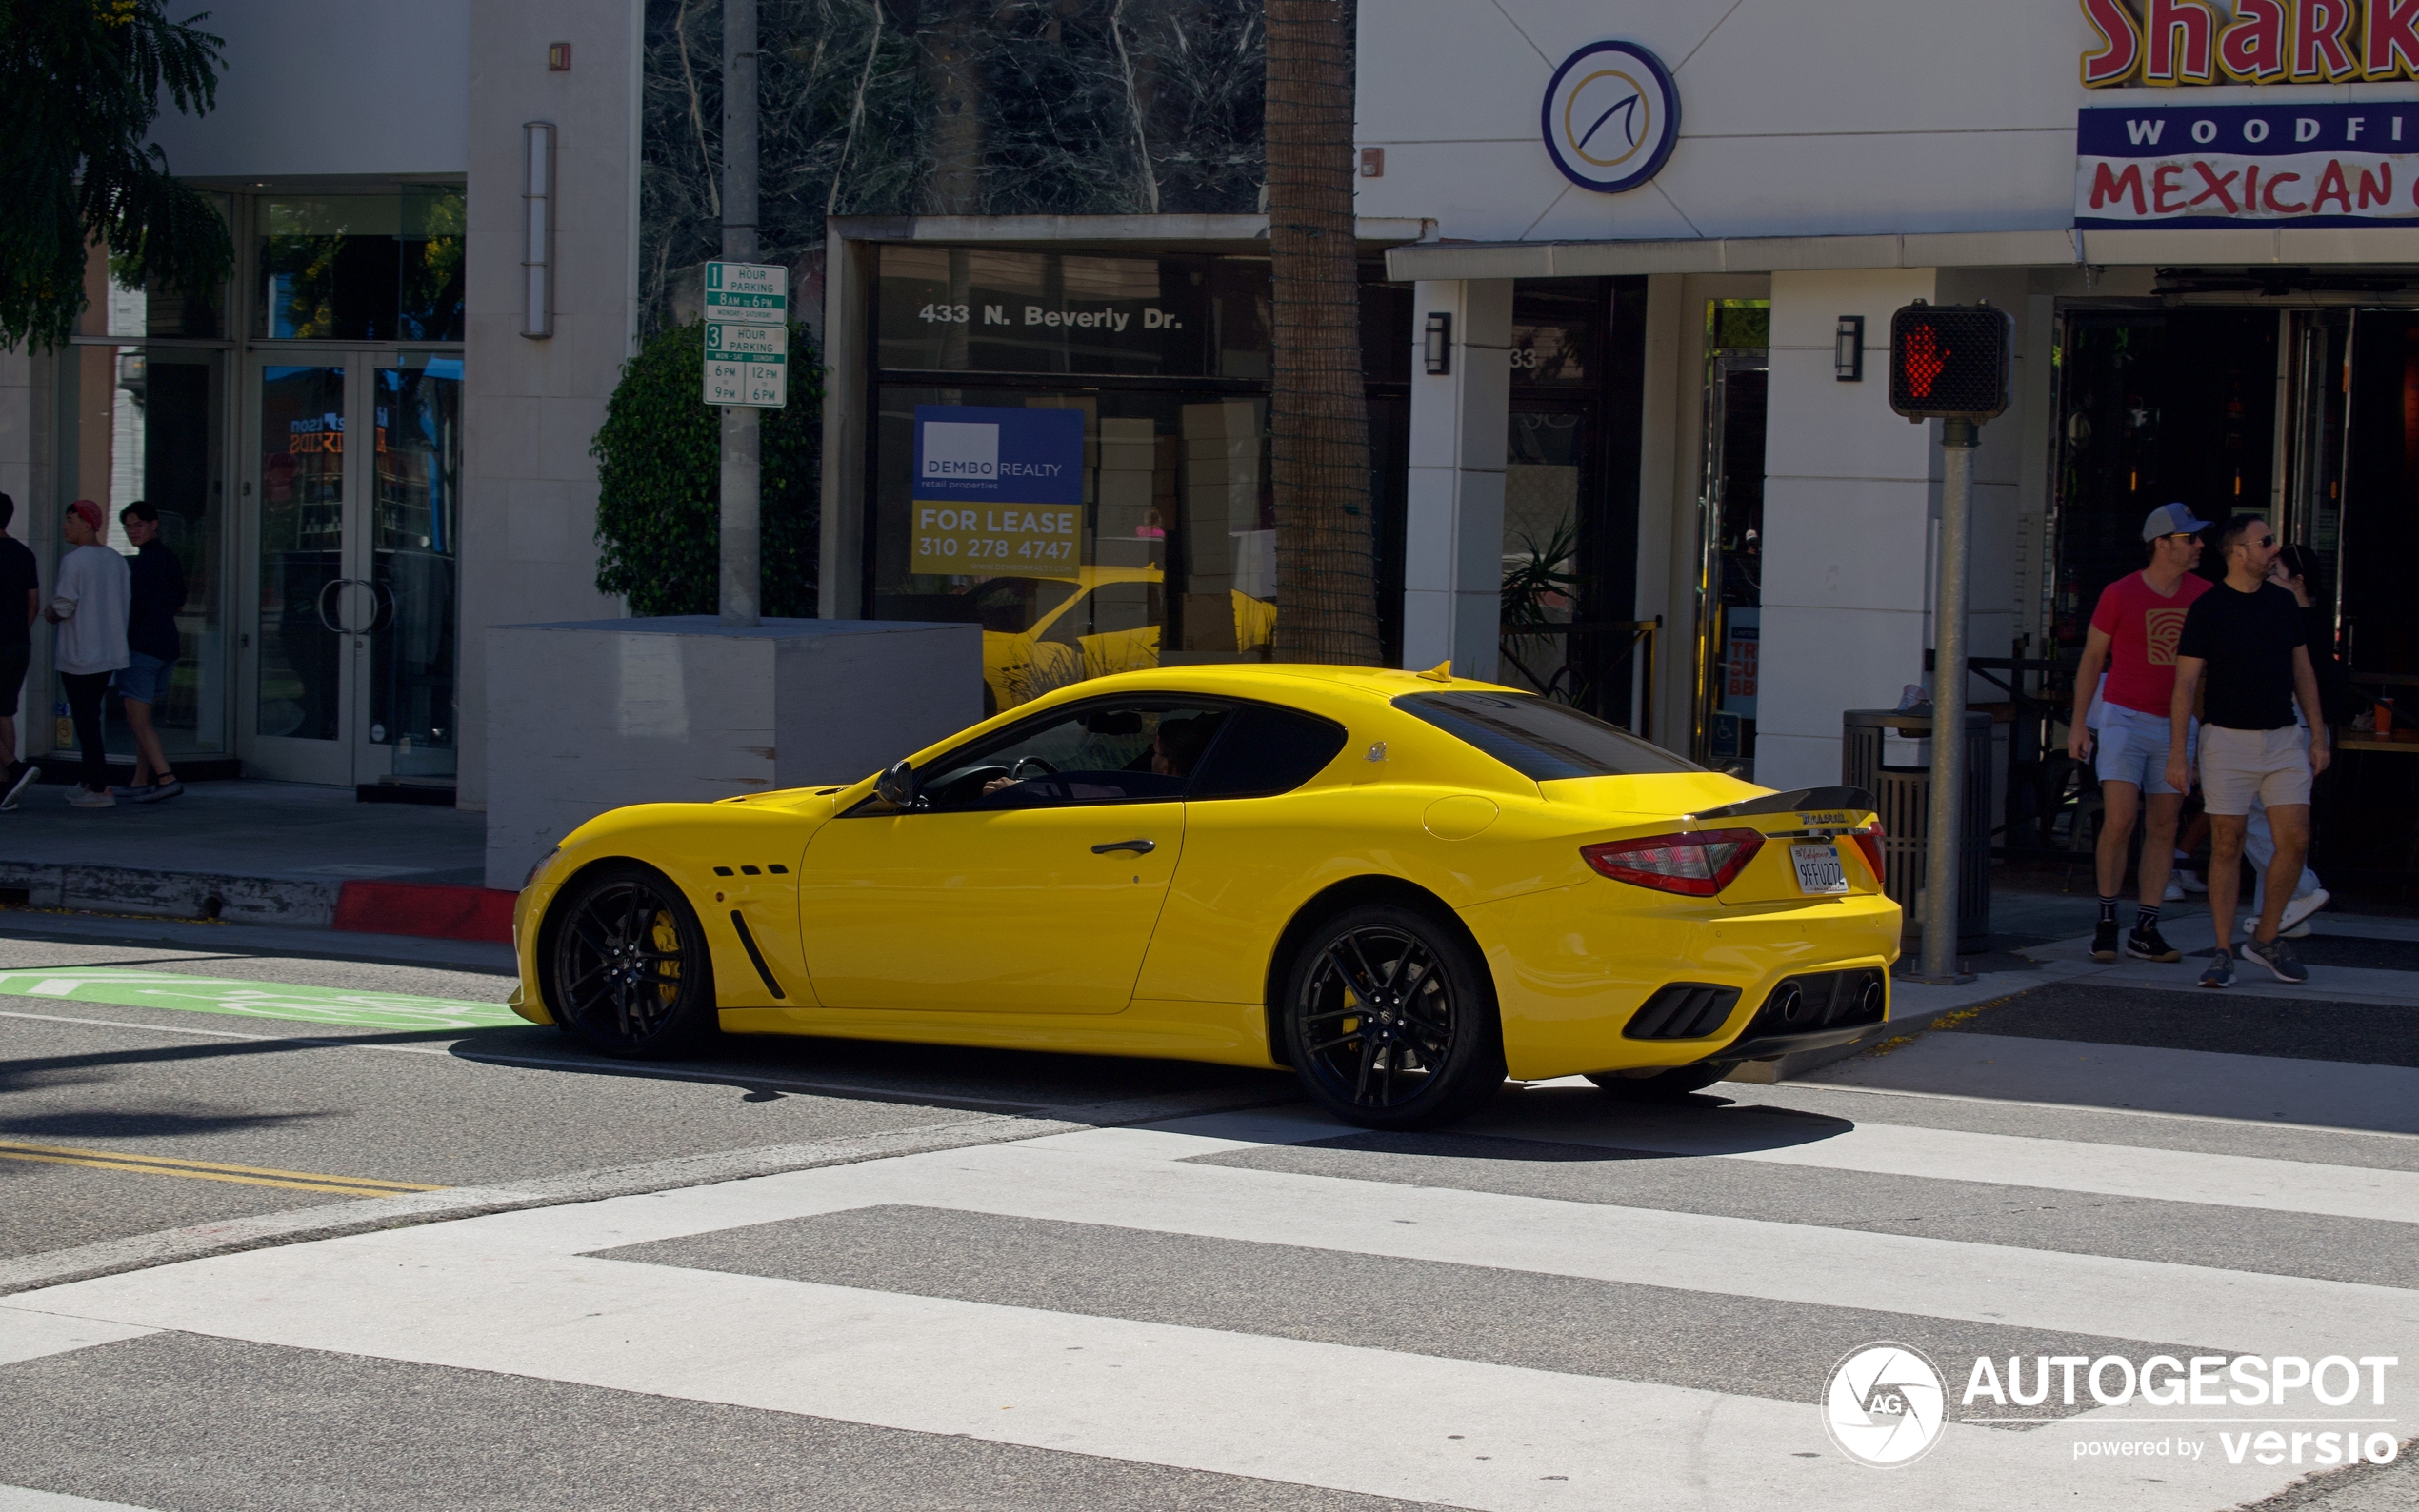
[(351, 647)]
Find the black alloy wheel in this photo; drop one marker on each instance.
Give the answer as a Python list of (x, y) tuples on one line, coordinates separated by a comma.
[(628, 972), (1665, 1086), (1391, 1020)]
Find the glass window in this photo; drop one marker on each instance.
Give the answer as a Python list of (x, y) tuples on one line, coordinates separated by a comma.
[(972, 309), (1172, 554), (414, 548), (1264, 751), (1539, 740), (363, 267), (143, 424), (1127, 752)]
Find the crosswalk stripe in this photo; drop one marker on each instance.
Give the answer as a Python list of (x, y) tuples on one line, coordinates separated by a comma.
[(2268, 1089), (2067, 1166), (30, 1334), (1354, 1419)]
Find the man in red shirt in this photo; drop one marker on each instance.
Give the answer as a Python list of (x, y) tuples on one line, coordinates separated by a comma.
[(2133, 634)]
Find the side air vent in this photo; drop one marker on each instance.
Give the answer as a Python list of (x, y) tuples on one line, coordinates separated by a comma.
[(1682, 1010)]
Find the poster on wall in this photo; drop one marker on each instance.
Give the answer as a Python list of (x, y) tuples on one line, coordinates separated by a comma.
[(2244, 165), (997, 491)]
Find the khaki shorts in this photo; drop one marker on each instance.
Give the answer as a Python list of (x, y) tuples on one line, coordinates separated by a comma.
[(2240, 765)]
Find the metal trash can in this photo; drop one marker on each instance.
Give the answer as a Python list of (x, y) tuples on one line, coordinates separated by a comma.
[(1888, 754)]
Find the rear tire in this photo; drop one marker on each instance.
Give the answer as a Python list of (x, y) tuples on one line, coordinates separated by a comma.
[(1664, 1086), (1389, 1016), (626, 965)]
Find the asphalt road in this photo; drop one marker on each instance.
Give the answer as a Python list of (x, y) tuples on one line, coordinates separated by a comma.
[(279, 1231)]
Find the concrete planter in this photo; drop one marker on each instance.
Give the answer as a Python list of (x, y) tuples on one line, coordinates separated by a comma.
[(590, 715)]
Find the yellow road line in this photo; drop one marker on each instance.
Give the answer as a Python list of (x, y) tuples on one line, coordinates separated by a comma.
[(206, 1170)]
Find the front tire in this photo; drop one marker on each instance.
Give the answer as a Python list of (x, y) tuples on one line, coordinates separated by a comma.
[(1391, 1020), (627, 967)]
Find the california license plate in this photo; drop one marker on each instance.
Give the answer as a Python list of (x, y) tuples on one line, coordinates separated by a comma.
[(1818, 868)]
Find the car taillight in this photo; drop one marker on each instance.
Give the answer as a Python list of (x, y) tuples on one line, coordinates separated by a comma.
[(1699, 864), (1868, 840)]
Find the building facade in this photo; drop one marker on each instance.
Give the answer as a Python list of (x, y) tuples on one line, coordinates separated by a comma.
[(1626, 294)]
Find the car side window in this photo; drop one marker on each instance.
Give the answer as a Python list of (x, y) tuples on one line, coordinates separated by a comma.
[(1137, 751), (1262, 751)]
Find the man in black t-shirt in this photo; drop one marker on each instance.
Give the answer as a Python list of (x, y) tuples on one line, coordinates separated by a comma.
[(2246, 634), (20, 600)]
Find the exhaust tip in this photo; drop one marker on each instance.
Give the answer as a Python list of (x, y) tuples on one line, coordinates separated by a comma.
[(1876, 999), (1790, 1004)]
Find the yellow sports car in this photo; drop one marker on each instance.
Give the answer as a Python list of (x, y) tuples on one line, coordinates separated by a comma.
[(1403, 886)]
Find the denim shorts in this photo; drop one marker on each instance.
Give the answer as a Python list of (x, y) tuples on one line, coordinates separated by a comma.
[(144, 679), (2133, 747)]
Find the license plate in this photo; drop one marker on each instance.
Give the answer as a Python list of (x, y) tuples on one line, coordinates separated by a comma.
[(1818, 868)]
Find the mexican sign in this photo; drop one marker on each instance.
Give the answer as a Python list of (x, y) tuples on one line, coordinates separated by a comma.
[(746, 364), (997, 491), (2238, 165), (2168, 42)]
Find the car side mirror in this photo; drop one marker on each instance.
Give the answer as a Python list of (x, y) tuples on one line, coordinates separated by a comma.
[(896, 787)]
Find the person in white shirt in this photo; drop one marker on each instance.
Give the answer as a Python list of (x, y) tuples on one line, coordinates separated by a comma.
[(88, 605)]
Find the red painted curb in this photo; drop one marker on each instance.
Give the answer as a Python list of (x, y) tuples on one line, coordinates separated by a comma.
[(429, 910)]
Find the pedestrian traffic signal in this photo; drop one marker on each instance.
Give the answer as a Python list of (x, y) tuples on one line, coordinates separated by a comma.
[(1950, 361)]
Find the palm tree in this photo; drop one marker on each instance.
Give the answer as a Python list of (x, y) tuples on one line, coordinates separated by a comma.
[(1326, 588)]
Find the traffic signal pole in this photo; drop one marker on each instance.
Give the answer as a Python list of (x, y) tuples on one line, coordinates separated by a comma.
[(1950, 363), (739, 526), (1944, 845)]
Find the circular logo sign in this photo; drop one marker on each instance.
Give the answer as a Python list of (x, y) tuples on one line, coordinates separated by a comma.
[(1611, 116), (1884, 1405)]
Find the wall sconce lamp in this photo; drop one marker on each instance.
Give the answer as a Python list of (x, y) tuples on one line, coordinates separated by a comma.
[(1438, 343), (537, 230), (1847, 350)]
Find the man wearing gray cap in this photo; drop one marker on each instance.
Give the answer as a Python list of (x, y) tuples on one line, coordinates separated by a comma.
[(2134, 633)]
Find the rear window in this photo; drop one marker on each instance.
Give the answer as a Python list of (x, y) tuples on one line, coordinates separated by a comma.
[(1264, 751), (1539, 740)]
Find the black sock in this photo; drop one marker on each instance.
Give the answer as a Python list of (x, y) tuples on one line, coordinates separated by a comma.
[(2108, 910), (2145, 918)]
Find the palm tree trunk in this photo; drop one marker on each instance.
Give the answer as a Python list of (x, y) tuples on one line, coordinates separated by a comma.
[(1326, 588)]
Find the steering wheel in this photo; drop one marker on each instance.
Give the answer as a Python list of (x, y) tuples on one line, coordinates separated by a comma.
[(1040, 767)]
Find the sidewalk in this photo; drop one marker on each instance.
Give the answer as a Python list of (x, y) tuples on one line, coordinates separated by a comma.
[(255, 853)]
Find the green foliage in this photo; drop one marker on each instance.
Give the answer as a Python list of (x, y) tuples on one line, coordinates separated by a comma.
[(80, 85), (659, 470)]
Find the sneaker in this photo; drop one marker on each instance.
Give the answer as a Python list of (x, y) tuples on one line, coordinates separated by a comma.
[(2148, 944), (17, 786), (2190, 880), (2104, 942), (83, 797), (156, 792), (2296, 922), (2220, 972), (2174, 892), (2277, 957)]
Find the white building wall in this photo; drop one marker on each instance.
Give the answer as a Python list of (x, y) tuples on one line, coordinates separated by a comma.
[(1454, 551), (314, 89), (528, 490)]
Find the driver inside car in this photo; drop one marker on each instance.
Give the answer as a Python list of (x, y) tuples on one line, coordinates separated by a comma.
[(1175, 746)]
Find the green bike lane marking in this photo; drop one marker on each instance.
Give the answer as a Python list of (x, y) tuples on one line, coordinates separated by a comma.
[(255, 1000)]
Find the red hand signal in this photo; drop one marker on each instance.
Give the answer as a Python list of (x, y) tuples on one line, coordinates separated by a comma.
[(1925, 361)]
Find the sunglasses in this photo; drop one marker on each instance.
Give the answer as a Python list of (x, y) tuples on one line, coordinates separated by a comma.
[(2183, 535)]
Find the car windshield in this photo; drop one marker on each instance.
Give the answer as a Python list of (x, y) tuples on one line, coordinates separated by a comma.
[(1542, 741)]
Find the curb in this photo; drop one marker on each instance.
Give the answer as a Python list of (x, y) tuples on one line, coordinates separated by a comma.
[(172, 894)]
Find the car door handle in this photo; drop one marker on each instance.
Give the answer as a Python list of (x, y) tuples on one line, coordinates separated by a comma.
[(1140, 847)]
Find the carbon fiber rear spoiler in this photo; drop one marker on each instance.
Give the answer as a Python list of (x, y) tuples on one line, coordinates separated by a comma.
[(1805, 799)]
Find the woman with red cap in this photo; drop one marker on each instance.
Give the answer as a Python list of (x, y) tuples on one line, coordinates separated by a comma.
[(88, 604)]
